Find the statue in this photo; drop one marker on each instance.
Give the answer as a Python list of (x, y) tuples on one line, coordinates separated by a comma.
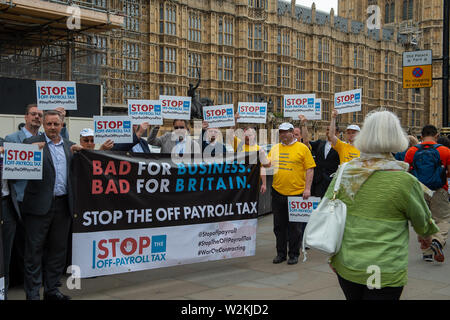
[(197, 103)]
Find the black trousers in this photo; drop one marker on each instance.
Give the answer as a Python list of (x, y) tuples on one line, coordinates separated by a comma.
[(356, 291), (288, 234), (9, 224), (46, 247)]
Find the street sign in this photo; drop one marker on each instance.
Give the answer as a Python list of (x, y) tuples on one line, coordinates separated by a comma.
[(417, 69)]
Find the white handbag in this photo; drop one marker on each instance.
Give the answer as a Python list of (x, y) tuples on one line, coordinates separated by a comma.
[(325, 228)]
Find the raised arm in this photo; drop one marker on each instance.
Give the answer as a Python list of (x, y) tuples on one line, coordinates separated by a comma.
[(332, 132), (304, 130)]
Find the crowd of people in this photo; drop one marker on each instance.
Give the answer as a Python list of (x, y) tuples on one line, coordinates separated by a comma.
[(391, 179)]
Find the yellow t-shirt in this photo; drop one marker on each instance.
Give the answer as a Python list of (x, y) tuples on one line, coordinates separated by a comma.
[(346, 151), (290, 164), (244, 147)]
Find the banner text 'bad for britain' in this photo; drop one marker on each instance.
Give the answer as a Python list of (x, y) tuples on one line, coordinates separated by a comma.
[(115, 191)]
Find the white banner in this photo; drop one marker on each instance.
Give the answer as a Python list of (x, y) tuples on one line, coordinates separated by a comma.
[(145, 111), (219, 116), (252, 112), (111, 252), (296, 104), (117, 128), (173, 107), (54, 94), (22, 161), (300, 210), (348, 101)]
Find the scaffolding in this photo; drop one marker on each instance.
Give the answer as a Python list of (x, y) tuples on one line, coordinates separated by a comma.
[(37, 44)]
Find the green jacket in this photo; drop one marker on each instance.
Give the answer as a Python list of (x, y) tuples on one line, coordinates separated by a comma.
[(376, 228)]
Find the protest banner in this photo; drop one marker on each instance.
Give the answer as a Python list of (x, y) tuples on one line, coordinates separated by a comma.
[(54, 94), (296, 104), (348, 101), (115, 128), (252, 112), (145, 111), (22, 161), (219, 116), (146, 211), (173, 107), (300, 210)]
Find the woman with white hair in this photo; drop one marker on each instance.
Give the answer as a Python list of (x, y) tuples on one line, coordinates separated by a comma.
[(381, 197)]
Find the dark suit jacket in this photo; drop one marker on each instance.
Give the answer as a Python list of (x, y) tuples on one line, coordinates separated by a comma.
[(325, 167), (38, 196), (129, 146)]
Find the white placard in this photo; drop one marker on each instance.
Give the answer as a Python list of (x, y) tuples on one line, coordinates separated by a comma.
[(348, 101), (300, 210), (22, 161), (145, 111), (116, 128), (219, 116), (296, 104), (173, 107), (252, 112), (417, 58), (53, 94)]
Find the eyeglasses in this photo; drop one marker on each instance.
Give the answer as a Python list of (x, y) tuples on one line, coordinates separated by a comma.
[(91, 140), (179, 128), (34, 114)]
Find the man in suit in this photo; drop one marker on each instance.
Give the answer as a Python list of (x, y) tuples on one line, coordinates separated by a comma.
[(209, 143), (139, 145), (175, 142), (13, 230), (8, 220), (326, 158), (47, 210)]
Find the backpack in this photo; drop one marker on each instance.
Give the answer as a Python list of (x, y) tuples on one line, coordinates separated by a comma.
[(427, 166)]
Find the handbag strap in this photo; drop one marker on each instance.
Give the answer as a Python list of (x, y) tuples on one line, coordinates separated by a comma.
[(338, 180)]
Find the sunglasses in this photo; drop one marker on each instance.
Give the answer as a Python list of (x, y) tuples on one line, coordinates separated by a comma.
[(91, 140), (179, 128)]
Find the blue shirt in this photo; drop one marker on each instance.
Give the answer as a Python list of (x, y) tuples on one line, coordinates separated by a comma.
[(28, 134), (59, 163)]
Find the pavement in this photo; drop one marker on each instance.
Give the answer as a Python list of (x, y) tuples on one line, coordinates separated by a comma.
[(252, 278)]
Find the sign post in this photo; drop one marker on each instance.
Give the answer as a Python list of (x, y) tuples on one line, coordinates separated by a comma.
[(417, 69)]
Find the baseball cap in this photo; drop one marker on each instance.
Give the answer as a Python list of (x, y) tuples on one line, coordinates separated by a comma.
[(286, 126), (87, 132), (353, 127)]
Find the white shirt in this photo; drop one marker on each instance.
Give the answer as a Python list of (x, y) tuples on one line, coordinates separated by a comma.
[(327, 149)]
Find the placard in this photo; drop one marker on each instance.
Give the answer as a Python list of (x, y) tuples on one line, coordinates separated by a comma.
[(22, 161), (317, 110), (300, 210), (53, 94), (348, 101), (296, 104), (116, 128), (252, 112), (219, 116), (145, 111), (173, 107)]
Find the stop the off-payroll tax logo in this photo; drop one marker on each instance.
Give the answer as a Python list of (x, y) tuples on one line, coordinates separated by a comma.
[(116, 252)]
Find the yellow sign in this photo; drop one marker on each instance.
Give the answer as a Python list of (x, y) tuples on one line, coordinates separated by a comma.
[(417, 77)]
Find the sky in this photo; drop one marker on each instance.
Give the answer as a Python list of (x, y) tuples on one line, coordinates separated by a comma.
[(322, 5)]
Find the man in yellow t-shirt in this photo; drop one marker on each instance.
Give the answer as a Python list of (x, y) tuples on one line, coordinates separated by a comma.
[(345, 150), (293, 166)]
